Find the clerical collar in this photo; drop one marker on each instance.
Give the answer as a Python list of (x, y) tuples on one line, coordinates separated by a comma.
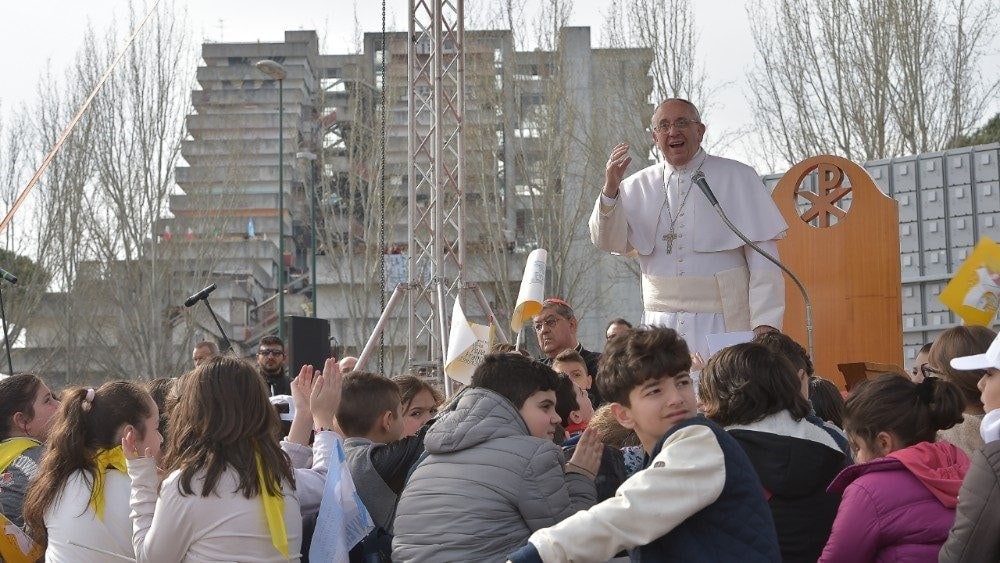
[(690, 166)]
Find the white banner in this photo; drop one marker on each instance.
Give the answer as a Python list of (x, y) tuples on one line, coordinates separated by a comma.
[(532, 293), (467, 344)]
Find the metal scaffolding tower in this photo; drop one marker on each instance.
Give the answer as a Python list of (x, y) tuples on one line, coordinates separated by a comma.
[(436, 196), (436, 80)]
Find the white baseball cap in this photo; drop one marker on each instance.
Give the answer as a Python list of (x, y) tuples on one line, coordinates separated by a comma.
[(991, 359)]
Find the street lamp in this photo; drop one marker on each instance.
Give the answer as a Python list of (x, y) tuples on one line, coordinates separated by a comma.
[(277, 72), (309, 158)]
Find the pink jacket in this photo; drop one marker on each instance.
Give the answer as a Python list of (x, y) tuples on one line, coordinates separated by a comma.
[(897, 508)]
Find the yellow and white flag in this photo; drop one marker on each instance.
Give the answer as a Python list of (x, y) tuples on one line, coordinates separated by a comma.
[(467, 344), (974, 291), (532, 293)]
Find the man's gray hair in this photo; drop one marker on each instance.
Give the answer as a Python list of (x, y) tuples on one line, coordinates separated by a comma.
[(694, 108), (213, 348), (560, 307)]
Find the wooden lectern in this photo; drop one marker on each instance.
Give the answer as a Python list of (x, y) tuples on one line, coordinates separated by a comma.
[(848, 261), (857, 372)]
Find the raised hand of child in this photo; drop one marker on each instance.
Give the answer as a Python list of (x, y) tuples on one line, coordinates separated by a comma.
[(131, 448), (301, 388), (586, 458), (325, 397), (697, 362)]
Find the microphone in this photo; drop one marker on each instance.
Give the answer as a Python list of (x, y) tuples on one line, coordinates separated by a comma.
[(8, 276), (199, 296), (699, 178)]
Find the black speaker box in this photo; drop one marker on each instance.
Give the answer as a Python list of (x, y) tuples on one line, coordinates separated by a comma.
[(308, 342)]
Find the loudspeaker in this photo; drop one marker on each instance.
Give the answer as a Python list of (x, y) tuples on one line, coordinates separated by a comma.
[(308, 342)]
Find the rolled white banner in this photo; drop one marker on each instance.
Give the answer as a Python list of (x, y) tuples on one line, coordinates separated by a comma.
[(532, 293)]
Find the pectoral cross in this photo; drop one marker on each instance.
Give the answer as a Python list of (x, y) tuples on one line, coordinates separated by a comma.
[(669, 238)]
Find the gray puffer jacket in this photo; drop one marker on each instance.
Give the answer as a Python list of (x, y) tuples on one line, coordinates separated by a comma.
[(485, 487), (976, 533)]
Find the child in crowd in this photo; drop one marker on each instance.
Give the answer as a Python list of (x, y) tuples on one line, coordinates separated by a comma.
[(827, 401), (698, 499), (798, 356), (316, 397), (162, 391), (917, 371), (27, 409), (493, 475), (755, 394), (793, 352), (79, 503), (572, 364), (574, 407), (371, 419), (228, 494), (420, 402), (615, 435), (575, 412), (899, 500), (953, 343), (976, 533)]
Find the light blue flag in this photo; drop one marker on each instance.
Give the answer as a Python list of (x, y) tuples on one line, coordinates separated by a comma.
[(343, 519)]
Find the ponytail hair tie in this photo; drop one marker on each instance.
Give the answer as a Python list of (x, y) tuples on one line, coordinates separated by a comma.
[(89, 399), (925, 390)]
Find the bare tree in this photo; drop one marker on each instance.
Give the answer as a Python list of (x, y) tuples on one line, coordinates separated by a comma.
[(103, 202), (867, 79), (536, 163), (60, 220), (356, 215), (20, 239), (667, 30)]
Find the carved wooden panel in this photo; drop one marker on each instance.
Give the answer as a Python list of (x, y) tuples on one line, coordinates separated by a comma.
[(846, 253)]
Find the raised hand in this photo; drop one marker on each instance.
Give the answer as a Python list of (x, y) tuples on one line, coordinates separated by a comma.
[(301, 388), (324, 399), (697, 362), (588, 453), (131, 448), (614, 171)]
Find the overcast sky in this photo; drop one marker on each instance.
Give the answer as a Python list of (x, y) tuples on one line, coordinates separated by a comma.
[(34, 33)]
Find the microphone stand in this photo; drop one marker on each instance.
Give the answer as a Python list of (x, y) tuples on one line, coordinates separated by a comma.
[(805, 295), (6, 335), (229, 345)]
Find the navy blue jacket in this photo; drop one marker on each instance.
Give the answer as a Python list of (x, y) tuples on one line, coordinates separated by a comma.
[(736, 527)]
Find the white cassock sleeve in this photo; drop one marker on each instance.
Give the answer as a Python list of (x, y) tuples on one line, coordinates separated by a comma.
[(609, 227), (767, 287)]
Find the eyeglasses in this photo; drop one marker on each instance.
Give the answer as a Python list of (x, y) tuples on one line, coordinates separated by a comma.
[(680, 125), (927, 371), (270, 353), (549, 322)]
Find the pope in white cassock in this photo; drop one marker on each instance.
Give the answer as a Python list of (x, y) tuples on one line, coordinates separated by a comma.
[(698, 277)]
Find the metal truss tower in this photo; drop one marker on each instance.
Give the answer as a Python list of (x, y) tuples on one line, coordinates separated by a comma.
[(436, 93), (436, 195)]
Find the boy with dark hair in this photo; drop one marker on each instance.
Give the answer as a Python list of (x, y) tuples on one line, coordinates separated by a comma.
[(574, 365), (793, 352), (783, 345), (698, 498), (575, 410), (493, 474), (753, 392), (573, 406), (370, 417)]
